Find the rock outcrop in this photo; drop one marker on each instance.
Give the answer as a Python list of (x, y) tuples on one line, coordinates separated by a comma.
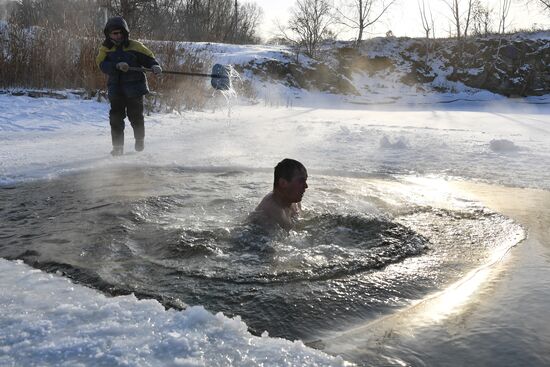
[(511, 65), (508, 65)]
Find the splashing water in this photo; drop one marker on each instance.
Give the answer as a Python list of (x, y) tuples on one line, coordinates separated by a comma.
[(230, 95)]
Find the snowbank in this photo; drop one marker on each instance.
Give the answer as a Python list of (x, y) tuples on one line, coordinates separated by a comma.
[(47, 320)]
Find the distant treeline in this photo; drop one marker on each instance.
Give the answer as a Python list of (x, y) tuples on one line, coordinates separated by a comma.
[(227, 21)]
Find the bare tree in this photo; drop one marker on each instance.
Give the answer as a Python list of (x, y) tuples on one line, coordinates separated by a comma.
[(426, 18), (481, 18), (176, 20), (504, 11), (24, 14), (358, 15), (131, 10), (461, 18), (456, 17), (235, 16), (309, 25), (248, 19), (54, 14), (218, 21), (545, 4), (468, 17)]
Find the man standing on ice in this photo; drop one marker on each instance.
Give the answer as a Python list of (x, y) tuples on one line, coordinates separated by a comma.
[(282, 206), (126, 88)]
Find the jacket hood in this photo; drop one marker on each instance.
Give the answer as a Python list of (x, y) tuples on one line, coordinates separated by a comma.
[(116, 23), (113, 24)]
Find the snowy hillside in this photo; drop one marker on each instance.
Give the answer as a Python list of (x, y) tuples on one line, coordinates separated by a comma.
[(390, 69), (380, 70)]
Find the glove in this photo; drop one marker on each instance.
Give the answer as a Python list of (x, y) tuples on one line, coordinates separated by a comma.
[(122, 66), (157, 70)]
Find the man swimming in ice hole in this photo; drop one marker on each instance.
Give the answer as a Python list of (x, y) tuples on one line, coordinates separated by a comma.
[(283, 205)]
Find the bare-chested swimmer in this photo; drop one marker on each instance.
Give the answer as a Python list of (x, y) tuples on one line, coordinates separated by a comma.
[(282, 205)]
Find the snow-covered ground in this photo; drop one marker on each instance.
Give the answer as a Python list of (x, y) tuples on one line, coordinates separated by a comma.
[(46, 320), (498, 140)]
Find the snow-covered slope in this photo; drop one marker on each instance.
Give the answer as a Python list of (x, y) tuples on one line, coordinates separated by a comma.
[(510, 65)]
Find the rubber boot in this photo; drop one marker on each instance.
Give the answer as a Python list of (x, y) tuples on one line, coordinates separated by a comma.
[(140, 145), (118, 150), (117, 138)]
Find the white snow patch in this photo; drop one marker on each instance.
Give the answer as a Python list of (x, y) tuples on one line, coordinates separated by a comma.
[(48, 321)]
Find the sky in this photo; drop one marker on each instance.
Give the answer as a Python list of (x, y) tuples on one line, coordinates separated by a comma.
[(404, 18)]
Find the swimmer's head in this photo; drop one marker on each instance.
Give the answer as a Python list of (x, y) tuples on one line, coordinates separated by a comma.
[(290, 179)]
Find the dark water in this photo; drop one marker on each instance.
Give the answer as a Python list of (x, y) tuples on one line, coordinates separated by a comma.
[(179, 235)]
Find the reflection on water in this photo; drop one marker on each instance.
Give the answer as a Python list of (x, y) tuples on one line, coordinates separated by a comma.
[(362, 249)]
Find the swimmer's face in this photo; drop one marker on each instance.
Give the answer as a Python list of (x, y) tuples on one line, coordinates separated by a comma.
[(296, 187)]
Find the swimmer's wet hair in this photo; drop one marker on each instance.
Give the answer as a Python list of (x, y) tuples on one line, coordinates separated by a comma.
[(287, 169)]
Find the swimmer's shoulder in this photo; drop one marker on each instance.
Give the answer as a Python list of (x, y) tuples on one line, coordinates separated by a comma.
[(267, 203)]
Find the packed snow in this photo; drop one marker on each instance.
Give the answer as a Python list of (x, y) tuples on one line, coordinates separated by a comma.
[(45, 137), (47, 320)]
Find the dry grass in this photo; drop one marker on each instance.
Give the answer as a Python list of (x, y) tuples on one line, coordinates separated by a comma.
[(44, 58), (177, 92)]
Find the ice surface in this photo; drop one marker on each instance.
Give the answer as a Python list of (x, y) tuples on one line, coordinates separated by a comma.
[(47, 320), (46, 137)]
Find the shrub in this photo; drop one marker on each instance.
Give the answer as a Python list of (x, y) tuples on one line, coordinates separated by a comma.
[(44, 58)]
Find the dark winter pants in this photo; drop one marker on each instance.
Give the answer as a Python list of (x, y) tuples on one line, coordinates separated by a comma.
[(121, 107)]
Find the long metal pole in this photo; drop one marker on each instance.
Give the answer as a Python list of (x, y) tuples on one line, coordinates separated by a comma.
[(179, 72)]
